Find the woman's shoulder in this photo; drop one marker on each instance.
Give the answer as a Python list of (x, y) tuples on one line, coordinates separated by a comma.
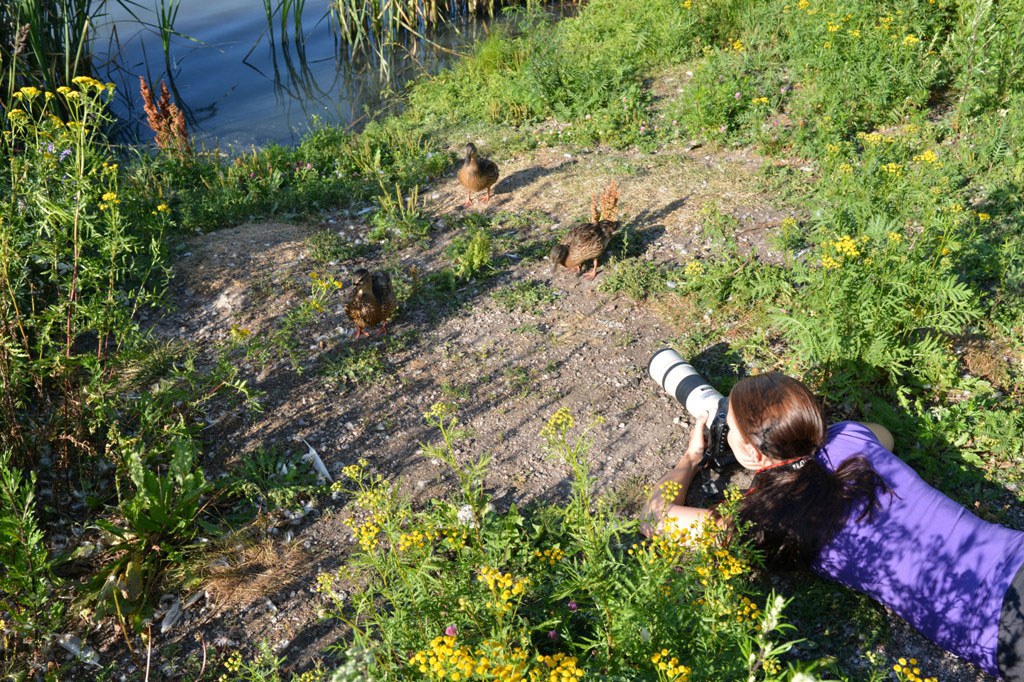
[(849, 430), (851, 439)]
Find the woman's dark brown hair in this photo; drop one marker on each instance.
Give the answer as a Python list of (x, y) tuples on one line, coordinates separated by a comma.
[(794, 509)]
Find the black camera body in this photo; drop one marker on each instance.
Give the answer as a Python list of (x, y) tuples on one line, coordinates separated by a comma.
[(692, 391), (717, 453)]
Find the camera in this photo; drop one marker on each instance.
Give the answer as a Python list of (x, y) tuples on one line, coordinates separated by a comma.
[(681, 381)]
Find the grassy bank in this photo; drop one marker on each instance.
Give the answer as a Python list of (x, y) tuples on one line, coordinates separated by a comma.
[(890, 132)]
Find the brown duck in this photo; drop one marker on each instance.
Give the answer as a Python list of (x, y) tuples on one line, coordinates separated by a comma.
[(372, 302), (477, 174), (586, 242)]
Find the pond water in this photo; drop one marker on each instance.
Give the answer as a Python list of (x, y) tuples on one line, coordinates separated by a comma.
[(242, 82)]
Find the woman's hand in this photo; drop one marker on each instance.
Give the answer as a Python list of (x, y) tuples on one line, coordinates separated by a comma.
[(695, 450)]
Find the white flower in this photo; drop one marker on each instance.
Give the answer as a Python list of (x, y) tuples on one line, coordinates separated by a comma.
[(465, 516)]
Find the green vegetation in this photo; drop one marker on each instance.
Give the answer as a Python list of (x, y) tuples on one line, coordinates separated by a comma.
[(529, 296), (896, 288), (462, 590)]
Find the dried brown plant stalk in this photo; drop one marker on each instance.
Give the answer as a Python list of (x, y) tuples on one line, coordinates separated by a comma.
[(605, 207), (166, 120)]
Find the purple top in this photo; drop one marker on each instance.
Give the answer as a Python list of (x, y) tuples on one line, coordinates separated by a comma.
[(941, 568)]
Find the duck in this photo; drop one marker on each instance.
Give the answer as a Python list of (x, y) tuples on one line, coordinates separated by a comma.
[(587, 242), (372, 301), (477, 173)]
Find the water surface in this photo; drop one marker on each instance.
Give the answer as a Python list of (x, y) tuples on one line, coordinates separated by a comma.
[(242, 82)]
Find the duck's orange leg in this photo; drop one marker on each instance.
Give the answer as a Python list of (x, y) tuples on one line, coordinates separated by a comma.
[(593, 273)]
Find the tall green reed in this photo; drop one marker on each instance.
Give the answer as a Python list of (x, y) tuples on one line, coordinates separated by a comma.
[(44, 42)]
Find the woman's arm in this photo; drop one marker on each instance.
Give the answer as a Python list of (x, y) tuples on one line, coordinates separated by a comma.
[(668, 499)]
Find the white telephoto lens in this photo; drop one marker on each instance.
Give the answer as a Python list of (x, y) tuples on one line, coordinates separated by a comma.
[(683, 382)]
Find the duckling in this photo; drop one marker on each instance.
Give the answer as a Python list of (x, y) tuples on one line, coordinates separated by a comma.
[(586, 242), (477, 174), (372, 302)]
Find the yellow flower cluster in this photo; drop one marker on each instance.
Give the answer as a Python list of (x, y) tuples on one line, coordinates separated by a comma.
[(760, 100), (669, 669), (694, 268), (984, 217), (452, 537), (748, 611), (319, 281), (895, 237), (927, 156), (366, 532), (354, 472), (687, 4), (723, 563), (444, 659), (233, 664), (86, 83), (372, 499), (559, 668), (503, 586), (875, 139), (737, 45), (893, 169), (911, 39), (109, 199), (558, 425), (833, 27), (550, 556), (910, 672), (439, 412), (325, 582), (846, 247), (668, 545)]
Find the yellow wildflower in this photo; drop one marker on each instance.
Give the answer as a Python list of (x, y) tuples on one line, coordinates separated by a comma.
[(984, 217), (911, 39)]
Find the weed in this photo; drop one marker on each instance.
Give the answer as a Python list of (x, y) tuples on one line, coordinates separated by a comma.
[(519, 380), (354, 366), (28, 582), (399, 220), (454, 391), (472, 255), (528, 328), (530, 296), (327, 246), (636, 277), (267, 480)]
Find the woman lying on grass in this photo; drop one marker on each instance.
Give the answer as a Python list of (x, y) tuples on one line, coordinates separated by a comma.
[(838, 501)]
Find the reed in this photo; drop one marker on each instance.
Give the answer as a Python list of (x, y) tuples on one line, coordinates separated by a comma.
[(43, 43), (379, 22)]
